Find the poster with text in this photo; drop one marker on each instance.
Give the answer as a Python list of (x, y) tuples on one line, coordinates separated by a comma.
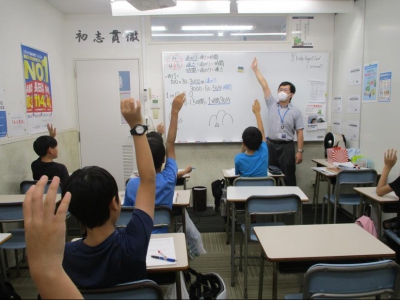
[(385, 84), (370, 82), (301, 32), (38, 96)]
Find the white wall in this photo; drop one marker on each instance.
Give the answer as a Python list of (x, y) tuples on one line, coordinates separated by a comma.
[(36, 24)]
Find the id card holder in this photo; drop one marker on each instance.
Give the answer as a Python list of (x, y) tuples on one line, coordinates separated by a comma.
[(282, 136)]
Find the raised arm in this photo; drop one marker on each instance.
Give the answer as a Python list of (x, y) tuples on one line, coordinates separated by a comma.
[(45, 241), (257, 112), (183, 172), (52, 130), (390, 158), (260, 78), (161, 129), (145, 197), (173, 124)]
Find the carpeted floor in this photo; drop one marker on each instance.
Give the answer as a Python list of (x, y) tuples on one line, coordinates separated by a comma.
[(217, 259)]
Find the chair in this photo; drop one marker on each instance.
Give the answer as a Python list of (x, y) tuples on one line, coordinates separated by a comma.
[(162, 216), (346, 178), (12, 213), (264, 205), (141, 289), (26, 184), (351, 280)]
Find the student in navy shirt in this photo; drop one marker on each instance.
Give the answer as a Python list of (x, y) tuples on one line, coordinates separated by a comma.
[(109, 255)]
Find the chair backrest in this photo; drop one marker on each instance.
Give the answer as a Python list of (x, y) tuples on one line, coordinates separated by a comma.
[(352, 280), (141, 289), (273, 205), (11, 212), (26, 184), (162, 216), (254, 181), (364, 177)]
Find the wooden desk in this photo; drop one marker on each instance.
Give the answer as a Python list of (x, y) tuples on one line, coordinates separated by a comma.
[(368, 194), (237, 194), (183, 201), (319, 243), (3, 237), (181, 255)]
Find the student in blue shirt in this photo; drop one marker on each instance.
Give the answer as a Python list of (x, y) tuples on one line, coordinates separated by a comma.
[(107, 255), (253, 161), (166, 178)]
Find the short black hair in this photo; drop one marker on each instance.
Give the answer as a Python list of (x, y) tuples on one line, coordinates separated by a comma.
[(156, 135), (43, 143), (92, 190), (157, 150), (292, 87), (252, 138)]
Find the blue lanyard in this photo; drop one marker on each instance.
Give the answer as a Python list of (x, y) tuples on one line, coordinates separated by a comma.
[(282, 118)]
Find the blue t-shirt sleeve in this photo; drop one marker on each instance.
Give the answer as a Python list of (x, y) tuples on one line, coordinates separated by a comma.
[(170, 170), (130, 191), (237, 166)]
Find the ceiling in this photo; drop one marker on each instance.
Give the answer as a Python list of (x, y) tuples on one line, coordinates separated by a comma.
[(71, 7)]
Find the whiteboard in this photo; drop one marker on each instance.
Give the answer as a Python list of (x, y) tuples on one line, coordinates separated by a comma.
[(221, 87)]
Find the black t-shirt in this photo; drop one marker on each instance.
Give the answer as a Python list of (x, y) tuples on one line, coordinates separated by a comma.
[(50, 169), (395, 186)]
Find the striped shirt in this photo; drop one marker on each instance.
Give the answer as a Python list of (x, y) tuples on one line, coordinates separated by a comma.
[(289, 116)]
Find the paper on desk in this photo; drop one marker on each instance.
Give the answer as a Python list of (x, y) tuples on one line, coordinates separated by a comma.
[(176, 196), (344, 165), (166, 246), (230, 172)]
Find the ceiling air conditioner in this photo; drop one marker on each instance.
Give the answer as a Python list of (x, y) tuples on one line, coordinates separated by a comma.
[(151, 4)]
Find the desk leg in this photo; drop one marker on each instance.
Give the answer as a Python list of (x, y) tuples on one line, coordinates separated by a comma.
[(315, 201), (184, 219), (316, 194), (274, 281), (227, 222), (3, 265), (184, 184), (178, 285), (233, 245), (328, 217), (379, 225)]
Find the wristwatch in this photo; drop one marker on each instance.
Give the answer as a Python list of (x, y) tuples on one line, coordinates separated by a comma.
[(139, 129), (300, 150)]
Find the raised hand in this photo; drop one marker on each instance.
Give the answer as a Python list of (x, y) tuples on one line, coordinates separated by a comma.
[(52, 130), (256, 107), (130, 109), (390, 158)]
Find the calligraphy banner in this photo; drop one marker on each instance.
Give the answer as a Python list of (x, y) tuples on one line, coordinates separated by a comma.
[(38, 97)]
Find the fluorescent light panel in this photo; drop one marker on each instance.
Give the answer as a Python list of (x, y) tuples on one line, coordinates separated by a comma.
[(294, 6), (218, 27), (181, 34), (158, 28), (257, 33), (123, 8)]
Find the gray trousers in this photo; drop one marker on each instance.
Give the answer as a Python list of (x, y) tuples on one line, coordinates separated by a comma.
[(283, 156)]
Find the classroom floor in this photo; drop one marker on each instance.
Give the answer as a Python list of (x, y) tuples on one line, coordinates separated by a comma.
[(217, 259)]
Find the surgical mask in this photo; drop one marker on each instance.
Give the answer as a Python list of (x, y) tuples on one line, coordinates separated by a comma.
[(282, 96)]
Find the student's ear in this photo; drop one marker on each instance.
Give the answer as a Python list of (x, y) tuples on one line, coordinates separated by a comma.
[(114, 204)]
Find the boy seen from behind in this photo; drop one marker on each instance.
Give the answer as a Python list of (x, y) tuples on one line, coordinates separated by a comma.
[(165, 179), (109, 255), (253, 161), (47, 150)]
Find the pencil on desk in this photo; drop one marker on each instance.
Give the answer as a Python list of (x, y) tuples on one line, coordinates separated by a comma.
[(176, 198)]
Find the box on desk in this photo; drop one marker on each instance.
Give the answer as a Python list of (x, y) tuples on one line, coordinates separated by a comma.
[(337, 154)]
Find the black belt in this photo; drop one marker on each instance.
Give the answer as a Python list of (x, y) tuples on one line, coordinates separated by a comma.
[(280, 142)]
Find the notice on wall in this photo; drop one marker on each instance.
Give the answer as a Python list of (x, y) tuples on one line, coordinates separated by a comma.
[(124, 88), (355, 76), (337, 126), (302, 32), (317, 91), (315, 116), (385, 86), (353, 130), (17, 124), (353, 104), (370, 82), (38, 96), (3, 114), (337, 104)]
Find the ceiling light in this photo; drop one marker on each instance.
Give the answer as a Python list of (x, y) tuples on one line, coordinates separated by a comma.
[(220, 34), (222, 27), (158, 28), (182, 34), (123, 8), (295, 6), (259, 33)]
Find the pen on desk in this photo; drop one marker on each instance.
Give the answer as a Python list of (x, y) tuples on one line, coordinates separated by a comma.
[(162, 258), (176, 198)]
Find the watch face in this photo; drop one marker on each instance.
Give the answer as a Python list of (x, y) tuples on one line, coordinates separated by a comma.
[(139, 129)]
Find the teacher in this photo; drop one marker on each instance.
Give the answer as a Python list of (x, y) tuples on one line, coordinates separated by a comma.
[(284, 121)]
